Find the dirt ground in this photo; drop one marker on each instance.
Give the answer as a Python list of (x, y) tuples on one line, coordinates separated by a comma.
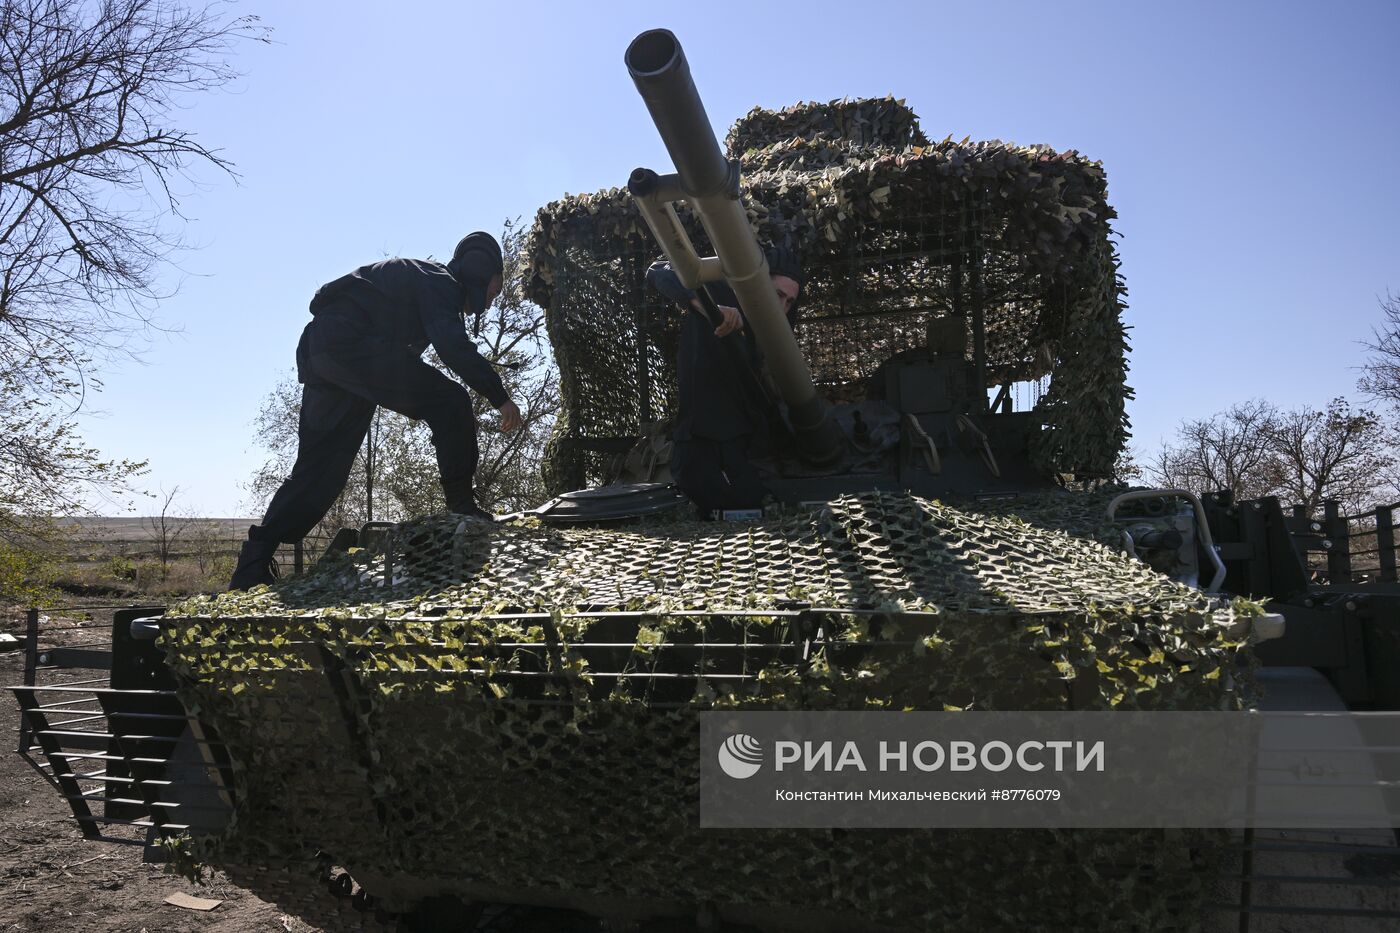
[(51, 880)]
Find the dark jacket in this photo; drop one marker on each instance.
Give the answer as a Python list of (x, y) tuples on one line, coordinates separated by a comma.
[(407, 304), (718, 397)]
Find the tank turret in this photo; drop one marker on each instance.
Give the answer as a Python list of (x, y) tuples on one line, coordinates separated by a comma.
[(710, 183), (960, 322)]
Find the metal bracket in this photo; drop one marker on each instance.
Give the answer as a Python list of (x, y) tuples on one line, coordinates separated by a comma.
[(984, 444), (926, 446), (655, 196)]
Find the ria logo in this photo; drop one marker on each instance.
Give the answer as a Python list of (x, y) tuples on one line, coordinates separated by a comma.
[(741, 756)]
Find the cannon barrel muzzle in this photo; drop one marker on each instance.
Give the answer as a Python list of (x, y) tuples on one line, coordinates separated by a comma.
[(710, 182), (662, 75)]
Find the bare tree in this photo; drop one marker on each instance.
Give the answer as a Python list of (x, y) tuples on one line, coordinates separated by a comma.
[(1229, 450), (208, 541), (88, 90), (166, 528), (1305, 455), (86, 100), (1337, 453), (1380, 375)]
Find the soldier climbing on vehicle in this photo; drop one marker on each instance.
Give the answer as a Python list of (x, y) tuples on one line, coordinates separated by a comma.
[(362, 349)]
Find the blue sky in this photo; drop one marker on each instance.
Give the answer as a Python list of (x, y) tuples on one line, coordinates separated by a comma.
[(1250, 151)]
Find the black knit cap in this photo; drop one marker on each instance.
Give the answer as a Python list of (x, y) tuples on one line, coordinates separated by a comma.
[(477, 257), (475, 260), (783, 261)]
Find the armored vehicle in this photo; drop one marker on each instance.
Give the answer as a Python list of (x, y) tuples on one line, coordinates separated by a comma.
[(457, 715)]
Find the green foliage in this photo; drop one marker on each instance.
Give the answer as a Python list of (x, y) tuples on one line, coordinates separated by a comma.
[(220, 568), (183, 857), (45, 470), (26, 573), (121, 567)]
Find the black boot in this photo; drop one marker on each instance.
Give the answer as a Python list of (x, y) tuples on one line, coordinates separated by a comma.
[(461, 498), (470, 508), (256, 562)]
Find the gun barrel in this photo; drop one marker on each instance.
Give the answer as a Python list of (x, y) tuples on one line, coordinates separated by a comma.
[(661, 73), (710, 182)]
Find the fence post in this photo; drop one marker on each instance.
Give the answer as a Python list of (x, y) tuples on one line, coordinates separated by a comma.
[(1385, 542), (298, 558), (1339, 555), (31, 661)]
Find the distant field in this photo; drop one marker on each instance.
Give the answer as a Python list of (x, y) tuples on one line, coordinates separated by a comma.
[(139, 529), (121, 555), (97, 539)]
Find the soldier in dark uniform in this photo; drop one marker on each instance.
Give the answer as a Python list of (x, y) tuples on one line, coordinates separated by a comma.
[(361, 350), (722, 409)]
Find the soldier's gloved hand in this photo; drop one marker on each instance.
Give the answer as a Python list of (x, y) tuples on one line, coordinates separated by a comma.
[(510, 416), (732, 321)]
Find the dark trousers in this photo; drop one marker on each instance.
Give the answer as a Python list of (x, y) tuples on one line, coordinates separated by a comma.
[(345, 377), (717, 474)]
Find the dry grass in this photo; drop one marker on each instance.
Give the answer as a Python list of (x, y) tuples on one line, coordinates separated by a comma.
[(122, 577)]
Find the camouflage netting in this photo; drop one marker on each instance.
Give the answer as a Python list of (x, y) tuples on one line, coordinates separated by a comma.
[(894, 232), (514, 706)]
